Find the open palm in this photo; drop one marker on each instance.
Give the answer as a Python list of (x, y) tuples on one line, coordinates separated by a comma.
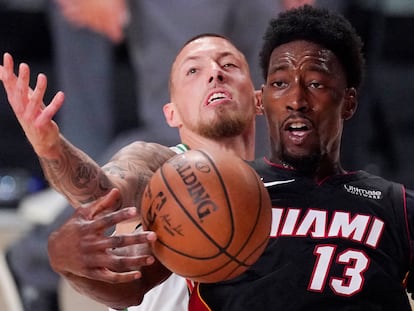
[(35, 118)]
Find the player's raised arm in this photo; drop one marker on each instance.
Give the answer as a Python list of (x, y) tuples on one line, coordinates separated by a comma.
[(55, 153), (68, 169)]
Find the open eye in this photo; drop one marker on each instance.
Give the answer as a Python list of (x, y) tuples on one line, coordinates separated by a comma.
[(279, 84), (229, 65), (191, 71), (315, 85)]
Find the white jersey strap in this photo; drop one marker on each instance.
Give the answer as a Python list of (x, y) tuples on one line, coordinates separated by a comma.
[(180, 148)]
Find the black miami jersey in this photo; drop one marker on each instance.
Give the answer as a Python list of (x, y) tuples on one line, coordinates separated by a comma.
[(342, 243)]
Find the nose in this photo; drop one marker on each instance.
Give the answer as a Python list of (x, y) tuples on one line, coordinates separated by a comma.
[(218, 77), (297, 100), (216, 74)]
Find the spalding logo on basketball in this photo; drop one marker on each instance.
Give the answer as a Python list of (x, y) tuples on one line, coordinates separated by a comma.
[(211, 213)]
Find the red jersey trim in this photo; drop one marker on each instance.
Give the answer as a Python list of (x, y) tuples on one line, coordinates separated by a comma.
[(196, 302)]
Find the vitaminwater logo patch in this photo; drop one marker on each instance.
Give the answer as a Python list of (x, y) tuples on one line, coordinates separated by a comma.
[(366, 193)]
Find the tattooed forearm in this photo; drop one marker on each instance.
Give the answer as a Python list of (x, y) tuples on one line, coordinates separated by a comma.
[(115, 170), (141, 184), (82, 181), (76, 176)]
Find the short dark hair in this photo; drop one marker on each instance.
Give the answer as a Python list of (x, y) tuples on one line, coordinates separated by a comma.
[(202, 35), (321, 26)]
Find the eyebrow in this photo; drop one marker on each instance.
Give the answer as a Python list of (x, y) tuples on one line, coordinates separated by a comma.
[(277, 67), (220, 56), (190, 58)]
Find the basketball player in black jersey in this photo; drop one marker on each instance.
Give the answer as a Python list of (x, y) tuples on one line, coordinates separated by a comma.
[(340, 240)]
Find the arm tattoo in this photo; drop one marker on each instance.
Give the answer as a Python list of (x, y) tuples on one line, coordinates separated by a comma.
[(76, 176)]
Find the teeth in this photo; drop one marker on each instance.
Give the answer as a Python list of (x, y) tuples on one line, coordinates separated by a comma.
[(216, 96), (297, 125)]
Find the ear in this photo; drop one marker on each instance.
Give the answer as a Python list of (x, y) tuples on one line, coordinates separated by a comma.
[(171, 115), (258, 102), (351, 103)]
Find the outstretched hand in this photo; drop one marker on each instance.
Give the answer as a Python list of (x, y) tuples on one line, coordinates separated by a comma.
[(35, 118), (82, 248)]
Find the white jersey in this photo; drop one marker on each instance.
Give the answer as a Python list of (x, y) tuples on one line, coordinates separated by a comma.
[(172, 294)]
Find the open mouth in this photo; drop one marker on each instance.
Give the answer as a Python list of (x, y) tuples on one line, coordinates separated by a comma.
[(297, 127), (298, 130), (216, 97)]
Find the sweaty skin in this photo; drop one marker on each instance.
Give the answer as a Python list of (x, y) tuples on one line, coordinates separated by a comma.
[(306, 102)]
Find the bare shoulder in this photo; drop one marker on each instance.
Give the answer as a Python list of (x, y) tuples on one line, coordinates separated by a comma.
[(142, 147), (138, 157)]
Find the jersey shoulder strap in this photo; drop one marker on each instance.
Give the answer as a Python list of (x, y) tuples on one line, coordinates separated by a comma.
[(180, 148)]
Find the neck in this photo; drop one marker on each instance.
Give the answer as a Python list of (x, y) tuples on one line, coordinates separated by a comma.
[(324, 168)]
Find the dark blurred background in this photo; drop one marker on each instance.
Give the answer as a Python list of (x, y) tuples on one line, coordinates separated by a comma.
[(24, 32)]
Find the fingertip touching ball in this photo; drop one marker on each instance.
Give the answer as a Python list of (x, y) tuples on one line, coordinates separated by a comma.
[(211, 214)]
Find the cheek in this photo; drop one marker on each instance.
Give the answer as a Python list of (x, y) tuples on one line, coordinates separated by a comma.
[(330, 128), (188, 112), (274, 108), (273, 120), (269, 96)]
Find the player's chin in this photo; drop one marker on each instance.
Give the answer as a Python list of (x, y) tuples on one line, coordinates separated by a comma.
[(302, 159)]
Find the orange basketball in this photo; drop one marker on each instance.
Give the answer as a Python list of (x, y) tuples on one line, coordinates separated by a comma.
[(211, 213)]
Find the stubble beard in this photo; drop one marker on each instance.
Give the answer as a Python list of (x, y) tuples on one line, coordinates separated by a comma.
[(307, 164), (225, 124)]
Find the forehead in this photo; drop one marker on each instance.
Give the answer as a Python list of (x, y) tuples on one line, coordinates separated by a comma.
[(206, 47), (302, 51)]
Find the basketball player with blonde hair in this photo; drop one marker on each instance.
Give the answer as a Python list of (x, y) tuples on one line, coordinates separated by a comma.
[(213, 105)]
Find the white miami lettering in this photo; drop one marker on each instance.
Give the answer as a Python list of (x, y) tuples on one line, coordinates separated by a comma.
[(365, 229)]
